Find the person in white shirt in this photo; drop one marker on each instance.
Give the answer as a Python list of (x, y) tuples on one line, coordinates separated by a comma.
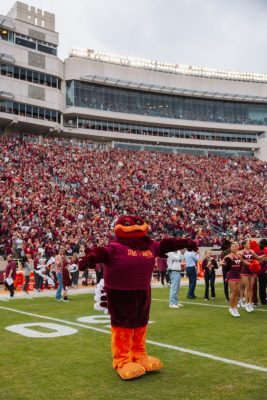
[(174, 262)]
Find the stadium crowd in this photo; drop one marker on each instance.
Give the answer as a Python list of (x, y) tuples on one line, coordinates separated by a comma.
[(56, 195)]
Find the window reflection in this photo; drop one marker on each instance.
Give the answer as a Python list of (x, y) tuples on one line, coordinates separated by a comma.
[(90, 95)]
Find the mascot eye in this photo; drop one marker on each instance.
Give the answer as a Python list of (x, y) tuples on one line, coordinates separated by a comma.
[(127, 223), (138, 222)]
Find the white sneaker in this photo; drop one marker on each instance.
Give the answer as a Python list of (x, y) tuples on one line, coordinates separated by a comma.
[(180, 305), (173, 306), (232, 312), (236, 312), (251, 307), (243, 304), (248, 308)]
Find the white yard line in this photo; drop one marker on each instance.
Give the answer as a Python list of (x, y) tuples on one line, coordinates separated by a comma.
[(181, 349), (207, 304)]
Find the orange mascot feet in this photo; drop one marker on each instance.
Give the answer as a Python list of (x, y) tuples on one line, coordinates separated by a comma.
[(131, 370), (139, 351), (122, 357), (150, 363)]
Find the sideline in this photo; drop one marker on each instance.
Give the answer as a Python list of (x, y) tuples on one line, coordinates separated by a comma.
[(207, 305), (181, 349)]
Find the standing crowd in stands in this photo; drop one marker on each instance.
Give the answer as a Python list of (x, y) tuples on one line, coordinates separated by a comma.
[(57, 196)]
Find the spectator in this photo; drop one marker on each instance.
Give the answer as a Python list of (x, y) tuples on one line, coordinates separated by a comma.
[(225, 249), (66, 280), (161, 263), (26, 269), (82, 190), (174, 261), (191, 258), (59, 261), (262, 276), (10, 275), (209, 265)]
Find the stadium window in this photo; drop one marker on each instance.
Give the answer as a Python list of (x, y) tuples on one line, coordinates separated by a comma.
[(35, 112), (3, 69), (10, 71), (42, 79), (54, 116), (16, 72), (29, 75), (104, 126), (22, 109), (25, 43), (46, 49), (54, 82), (11, 37), (47, 114), (2, 106), (41, 113), (35, 77), (28, 110), (23, 74), (9, 107), (15, 108), (48, 79)]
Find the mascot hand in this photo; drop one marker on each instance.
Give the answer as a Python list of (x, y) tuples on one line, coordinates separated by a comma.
[(100, 298), (192, 245), (171, 244)]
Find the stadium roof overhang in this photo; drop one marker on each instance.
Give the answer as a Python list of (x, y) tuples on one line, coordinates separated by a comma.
[(171, 90)]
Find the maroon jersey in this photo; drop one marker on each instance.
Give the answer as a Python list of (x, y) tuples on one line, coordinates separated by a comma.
[(235, 268), (129, 269), (247, 256)]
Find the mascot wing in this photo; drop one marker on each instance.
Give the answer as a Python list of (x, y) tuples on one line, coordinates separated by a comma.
[(171, 244), (92, 257)]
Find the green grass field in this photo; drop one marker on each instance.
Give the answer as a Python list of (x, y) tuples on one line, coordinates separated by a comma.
[(78, 366)]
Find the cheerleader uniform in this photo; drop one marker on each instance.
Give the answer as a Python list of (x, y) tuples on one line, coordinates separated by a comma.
[(245, 271), (234, 268)]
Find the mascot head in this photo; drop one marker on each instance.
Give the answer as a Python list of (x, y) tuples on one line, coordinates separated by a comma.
[(130, 227)]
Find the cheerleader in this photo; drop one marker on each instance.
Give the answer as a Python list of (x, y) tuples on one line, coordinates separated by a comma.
[(248, 277), (232, 264)]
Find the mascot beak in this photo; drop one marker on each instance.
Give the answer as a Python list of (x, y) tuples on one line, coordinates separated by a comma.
[(131, 230)]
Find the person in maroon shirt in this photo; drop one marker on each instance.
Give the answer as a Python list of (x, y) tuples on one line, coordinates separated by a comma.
[(10, 273), (129, 264)]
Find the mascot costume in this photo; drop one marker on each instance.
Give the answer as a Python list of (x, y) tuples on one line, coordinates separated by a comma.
[(129, 263)]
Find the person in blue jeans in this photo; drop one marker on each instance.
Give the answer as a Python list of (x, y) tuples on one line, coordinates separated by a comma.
[(191, 259), (60, 286), (59, 261), (174, 267)]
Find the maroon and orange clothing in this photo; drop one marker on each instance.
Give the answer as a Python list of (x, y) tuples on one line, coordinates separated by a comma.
[(128, 271)]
